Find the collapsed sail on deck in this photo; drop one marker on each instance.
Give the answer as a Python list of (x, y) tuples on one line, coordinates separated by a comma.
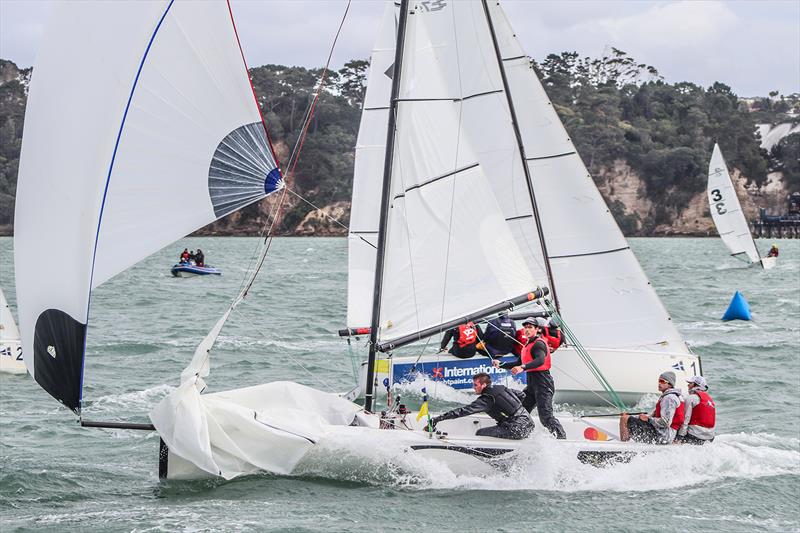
[(149, 131), (589, 257), (726, 211)]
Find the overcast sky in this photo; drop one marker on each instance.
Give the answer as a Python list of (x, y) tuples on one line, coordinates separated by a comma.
[(753, 46)]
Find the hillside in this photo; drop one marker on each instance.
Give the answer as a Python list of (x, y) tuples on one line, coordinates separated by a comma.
[(646, 143)]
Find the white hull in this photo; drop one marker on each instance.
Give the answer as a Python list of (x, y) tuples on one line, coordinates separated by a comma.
[(456, 446), (631, 373), (769, 262)]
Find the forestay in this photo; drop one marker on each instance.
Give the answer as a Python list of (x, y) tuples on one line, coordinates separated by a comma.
[(450, 252), (149, 131), (726, 210)]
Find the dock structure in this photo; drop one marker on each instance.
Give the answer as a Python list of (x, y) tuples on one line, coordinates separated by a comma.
[(786, 226)]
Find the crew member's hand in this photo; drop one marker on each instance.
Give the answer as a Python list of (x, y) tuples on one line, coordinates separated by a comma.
[(495, 363), (624, 416), (442, 350), (643, 417), (516, 370)]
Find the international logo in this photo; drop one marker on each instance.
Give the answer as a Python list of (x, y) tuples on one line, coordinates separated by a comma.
[(678, 366)]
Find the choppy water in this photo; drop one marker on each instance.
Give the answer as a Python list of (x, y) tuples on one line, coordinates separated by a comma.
[(145, 325)]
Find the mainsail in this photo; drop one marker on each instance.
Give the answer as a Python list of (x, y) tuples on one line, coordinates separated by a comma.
[(726, 210), (149, 131), (588, 256)]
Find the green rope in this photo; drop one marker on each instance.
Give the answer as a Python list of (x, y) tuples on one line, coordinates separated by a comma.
[(585, 357), (355, 359)]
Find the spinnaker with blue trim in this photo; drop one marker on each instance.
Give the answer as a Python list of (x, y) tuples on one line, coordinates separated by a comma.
[(149, 132)]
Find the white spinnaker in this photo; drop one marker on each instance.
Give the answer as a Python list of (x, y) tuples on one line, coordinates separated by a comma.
[(726, 210), (368, 175), (590, 258), (449, 250), (123, 151)]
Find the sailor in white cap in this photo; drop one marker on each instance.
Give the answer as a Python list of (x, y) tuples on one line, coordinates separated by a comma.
[(700, 414)]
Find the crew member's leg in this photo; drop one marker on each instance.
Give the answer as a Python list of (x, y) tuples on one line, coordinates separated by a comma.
[(530, 393), (545, 388)]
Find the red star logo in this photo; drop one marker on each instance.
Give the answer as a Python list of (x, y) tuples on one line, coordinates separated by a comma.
[(437, 373)]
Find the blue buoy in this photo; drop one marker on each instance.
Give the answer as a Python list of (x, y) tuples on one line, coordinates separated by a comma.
[(738, 309)]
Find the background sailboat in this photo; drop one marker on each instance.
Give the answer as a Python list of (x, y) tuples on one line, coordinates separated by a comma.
[(10, 345), (552, 209), (726, 211)]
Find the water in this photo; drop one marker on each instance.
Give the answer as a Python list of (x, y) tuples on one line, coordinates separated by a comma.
[(144, 327)]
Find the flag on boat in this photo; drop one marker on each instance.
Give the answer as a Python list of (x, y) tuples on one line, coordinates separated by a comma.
[(423, 410)]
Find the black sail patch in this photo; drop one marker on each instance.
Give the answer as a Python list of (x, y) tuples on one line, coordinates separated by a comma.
[(58, 345)]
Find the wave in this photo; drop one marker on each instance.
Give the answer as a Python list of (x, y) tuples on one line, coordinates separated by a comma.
[(541, 464)]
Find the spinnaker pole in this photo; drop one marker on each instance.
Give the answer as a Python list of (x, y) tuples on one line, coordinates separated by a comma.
[(521, 147), (385, 199)]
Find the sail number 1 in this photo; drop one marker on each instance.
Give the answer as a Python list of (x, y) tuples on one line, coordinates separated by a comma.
[(716, 197)]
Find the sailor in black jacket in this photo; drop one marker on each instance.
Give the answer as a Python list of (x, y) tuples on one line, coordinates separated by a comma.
[(499, 402)]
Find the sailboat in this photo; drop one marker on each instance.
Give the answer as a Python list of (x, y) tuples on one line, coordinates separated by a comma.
[(726, 211), (552, 209), (157, 109), (10, 345)]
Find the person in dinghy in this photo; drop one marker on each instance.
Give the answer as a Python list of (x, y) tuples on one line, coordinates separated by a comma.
[(700, 414), (662, 426), (504, 405)]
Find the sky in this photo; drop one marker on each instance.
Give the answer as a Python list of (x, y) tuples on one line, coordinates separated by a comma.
[(753, 46)]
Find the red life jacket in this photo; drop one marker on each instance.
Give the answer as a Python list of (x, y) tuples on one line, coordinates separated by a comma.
[(704, 414), (554, 341), (527, 355), (677, 418), (466, 334), (521, 341)]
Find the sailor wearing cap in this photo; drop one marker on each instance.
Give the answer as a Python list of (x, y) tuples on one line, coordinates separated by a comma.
[(662, 426), (700, 414), (534, 360)]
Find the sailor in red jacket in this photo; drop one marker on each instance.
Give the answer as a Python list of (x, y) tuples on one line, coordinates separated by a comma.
[(465, 338), (699, 414), (535, 361), (662, 426)]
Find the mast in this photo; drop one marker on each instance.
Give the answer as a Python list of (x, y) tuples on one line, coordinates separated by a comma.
[(518, 135), (385, 198)]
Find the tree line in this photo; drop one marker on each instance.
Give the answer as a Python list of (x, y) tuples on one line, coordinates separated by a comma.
[(613, 107)]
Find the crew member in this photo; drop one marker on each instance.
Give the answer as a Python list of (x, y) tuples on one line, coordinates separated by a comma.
[(552, 335), (464, 337), (499, 402), (535, 362), (184, 256), (500, 336), (199, 258), (699, 414), (662, 426), (773, 252)]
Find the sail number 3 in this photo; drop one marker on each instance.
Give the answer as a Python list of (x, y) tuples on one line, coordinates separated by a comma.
[(716, 197)]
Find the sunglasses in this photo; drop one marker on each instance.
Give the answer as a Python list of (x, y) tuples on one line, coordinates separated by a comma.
[(663, 381)]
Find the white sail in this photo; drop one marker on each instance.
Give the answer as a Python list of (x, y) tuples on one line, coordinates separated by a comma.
[(368, 175), (148, 132), (10, 346), (726, 210), (449, 250), (589, 256)]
